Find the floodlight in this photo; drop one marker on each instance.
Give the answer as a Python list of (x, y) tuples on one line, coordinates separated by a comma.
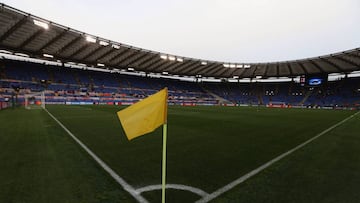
[(165, 73), (236, 77), (247, 66), (131, 69), (232, 66), (171, 58), (48, 55), (203, 63), (163, 57), (41, 24), (103, 43), (90, 39), (226, 65), (23, 55), (239, 66), (180, 59), (101, 64), (115, 46)]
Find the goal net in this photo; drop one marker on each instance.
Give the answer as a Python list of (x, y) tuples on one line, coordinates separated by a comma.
[(35, 100)]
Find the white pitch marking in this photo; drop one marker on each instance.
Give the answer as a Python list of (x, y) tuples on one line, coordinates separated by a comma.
[(194, 190), (236, 182), (112, 173)]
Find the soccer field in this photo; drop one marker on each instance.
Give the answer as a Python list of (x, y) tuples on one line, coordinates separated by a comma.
[(208, 148)]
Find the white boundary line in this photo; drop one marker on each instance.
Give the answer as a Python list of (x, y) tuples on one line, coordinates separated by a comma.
[(194, 190), (236, 182), (112, 173)]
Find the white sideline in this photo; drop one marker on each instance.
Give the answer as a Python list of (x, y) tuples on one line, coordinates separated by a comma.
[(112, 173), (194, 190), (236, 182)]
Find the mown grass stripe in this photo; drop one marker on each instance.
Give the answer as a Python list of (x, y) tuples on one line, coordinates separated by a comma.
[(111, 172), (245, 177)]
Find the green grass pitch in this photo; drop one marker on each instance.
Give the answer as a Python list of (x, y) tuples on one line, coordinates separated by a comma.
[(208, 147)]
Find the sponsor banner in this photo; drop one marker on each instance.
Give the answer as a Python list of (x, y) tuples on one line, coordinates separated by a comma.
[(206, 104), (127, 103), (229, 104), (79, 103), (4, 105), (299, 107), (55, 102), (188, 104)]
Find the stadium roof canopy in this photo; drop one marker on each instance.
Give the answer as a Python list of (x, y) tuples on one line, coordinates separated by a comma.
[(21, 32)]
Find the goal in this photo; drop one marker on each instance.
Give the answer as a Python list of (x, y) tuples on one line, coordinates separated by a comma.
[(35, 100)]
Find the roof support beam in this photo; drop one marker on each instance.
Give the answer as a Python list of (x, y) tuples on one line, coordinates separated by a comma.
[(215, 70), (53, 40), (158, 68), (155, 62), (347, 61), (127, 58), (139, 56), (224, 71), (188, 68), (353, 55), (79, 50), (290, 69), (207, 68), (303, 68), (113, 58), (147, 57), (14, 28), (254, 72), (91, 53), (168, 67), (317, 66), (266, 70), (145, 62), (154, 65), (193, 68), (242, 73), (183, 66), (66, 46), (199, 70), (333, 64), (101, 56), (278, 69), (233, 71), (33, 36)]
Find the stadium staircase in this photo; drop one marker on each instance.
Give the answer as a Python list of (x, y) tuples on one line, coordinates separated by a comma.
[(217, 97), (259, 93), (307, 95)]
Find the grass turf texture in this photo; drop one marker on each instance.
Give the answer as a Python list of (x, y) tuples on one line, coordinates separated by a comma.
[(41, 163), (208, 147)]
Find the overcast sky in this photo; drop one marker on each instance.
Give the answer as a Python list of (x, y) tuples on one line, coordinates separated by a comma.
[(221, 30)]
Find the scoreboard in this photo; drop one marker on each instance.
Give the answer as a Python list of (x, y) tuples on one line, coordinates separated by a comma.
[(313, 80)]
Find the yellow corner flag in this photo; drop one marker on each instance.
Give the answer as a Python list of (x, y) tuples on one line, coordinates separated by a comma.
[(145, 116)]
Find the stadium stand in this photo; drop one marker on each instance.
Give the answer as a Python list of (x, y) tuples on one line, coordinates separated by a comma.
[(64, 85), (67, 85)]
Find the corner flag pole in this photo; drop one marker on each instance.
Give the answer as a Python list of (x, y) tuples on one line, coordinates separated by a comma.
[(164, 163)]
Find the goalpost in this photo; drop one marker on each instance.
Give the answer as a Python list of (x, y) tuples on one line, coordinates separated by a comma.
[(35, 100)]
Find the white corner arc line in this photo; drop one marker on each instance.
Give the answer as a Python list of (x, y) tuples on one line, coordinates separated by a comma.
[(194, 190), (112, 173), (243, 178)]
